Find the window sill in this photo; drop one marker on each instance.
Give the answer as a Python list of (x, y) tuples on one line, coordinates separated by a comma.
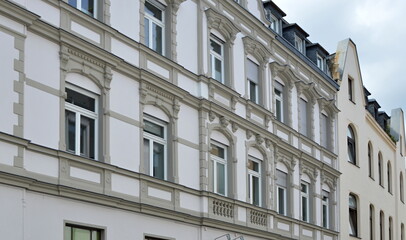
[(352, 101), (373, 179), (353, 236), (353, 164)]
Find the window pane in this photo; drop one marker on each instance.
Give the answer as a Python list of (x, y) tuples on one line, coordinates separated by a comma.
[(153, 11), (158, 164), (87, 139), (221, 178), (324, 130), (278, 110), (80, 234), (154, 129), (80, 100), (70, 122), (217, 151), (304, 209), (157, 38), (281, 178), (215, 47), (281, 201), (73, 3), (252, 165), (253, 91), (218, 70), (255, 190), (88, 7), (325, 215)]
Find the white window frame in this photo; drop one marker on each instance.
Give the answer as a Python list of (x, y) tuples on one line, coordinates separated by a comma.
[(305, 196), (274, 23), (92, 230), (79, 111), (279, 98), (285, 201), (320, 62), (325, 209), (251, 175), (79, 6), (160, 23), (299, 44), (216, 159), (213, 56), (155, 139)]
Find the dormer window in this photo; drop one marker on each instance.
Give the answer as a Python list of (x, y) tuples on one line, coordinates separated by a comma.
[(299, 44), (274, 23), (320, 62)]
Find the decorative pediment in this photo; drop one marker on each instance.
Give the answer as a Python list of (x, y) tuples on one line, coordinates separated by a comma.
[(256, 49), (308, 89), (309, 171), (328, 104), (284, 72), (289, 162), (222, 24), (329, 181)]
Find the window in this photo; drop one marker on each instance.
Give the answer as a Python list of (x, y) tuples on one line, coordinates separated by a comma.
[(254, 181), (75, 232), (81, 122), (380, 169), (87, 6), (325, 133), (303, 110), (320, 62), (402, 231), (402, 191), (281, 190), (274, 23), (218, 155), (371, 222), (217, 59), (353, 214), (253, 81), (351, 146), (305, 201), (279, 103), (370, 161), (326, 209), (389, 175), (390, 228), (350, 90), (299, 44), (381, 226), (155, 147), (154, 26)]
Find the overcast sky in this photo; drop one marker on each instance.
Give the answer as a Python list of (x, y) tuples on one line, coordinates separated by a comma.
[(377, 27)]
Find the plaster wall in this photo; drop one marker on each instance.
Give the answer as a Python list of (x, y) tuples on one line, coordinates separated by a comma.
[(124, 12)]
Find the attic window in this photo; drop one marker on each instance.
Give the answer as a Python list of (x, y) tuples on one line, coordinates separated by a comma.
[(274, 23), (299, 44), (320, 62)]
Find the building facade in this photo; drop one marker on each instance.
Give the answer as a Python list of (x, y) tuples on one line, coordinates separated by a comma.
[(168, 119), (371, 153)]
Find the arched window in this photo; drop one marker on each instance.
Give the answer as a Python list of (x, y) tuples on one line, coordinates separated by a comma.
[(370, 161), (380, 169), (402, 193), (381, 225), (371, 222), (389, 174), (353, 215), (352, 156)]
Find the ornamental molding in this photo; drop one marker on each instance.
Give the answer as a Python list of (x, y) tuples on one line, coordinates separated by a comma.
[(222, 24), (256, 49)]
